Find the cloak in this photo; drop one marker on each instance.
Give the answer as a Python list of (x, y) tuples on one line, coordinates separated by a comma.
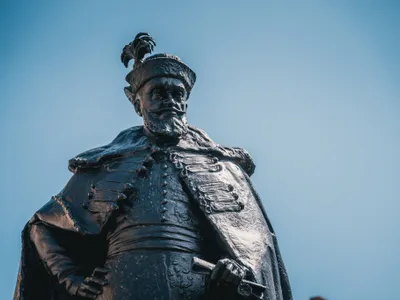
[(241, 222)]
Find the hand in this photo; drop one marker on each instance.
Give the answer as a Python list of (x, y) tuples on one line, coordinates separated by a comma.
[(91, 286), (227, 272)]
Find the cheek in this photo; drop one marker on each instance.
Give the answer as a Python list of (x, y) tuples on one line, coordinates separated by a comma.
[(149, 104), (183, 105)]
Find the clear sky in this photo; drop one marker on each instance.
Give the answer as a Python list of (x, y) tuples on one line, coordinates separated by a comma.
[(310, 88)]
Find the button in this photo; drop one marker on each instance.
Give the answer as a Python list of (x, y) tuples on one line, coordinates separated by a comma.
[(148, 162), (164, 192), (165, 201), (165, 183), (164, 209), (214, 160), (165, 175), (155, 149), (142, 172), (163, 219), (128, 186), (236, 196), (122, 196), (165, 167), (230, 187)]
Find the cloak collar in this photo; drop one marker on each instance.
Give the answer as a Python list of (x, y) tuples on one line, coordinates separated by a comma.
[(133, 140)]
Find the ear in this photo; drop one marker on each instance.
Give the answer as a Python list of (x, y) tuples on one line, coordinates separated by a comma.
[(129, 93), (133, 99), (136, 105)]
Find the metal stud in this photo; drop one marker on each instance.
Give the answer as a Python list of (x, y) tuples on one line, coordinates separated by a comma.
[(122, 196), (128, 186), (142, 172)]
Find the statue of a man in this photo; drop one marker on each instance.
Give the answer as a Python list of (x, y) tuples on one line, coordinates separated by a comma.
[(162, 212)]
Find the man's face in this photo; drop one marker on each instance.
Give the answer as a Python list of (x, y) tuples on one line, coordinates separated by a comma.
[(162, 101)]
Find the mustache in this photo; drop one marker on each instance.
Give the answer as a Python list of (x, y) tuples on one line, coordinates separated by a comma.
[(167, 109)]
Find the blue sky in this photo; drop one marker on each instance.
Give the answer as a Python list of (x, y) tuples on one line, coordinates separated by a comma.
[(310, 88)]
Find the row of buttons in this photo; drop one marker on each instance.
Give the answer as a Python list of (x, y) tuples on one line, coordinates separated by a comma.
[(164, 201)]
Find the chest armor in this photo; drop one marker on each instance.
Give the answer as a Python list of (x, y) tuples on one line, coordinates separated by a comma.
[(160, 197)]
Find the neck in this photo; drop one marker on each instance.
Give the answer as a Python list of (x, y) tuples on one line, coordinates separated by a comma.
[(161, 140)]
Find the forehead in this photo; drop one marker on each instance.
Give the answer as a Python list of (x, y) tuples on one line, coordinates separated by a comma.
[(164, 82)]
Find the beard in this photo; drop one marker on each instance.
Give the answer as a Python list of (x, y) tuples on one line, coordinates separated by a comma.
[(166, 125)]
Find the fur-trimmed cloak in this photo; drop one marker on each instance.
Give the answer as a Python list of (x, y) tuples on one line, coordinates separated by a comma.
[(242, 226)]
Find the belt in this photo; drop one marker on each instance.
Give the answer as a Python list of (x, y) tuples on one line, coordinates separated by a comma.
[(158, 236)]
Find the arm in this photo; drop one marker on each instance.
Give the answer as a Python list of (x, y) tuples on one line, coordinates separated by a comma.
[(59, 264)]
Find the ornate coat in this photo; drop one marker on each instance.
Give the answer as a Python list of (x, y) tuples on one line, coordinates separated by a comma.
[(216, 177)]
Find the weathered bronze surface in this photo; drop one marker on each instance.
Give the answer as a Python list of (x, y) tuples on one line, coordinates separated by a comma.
[(162, 212)]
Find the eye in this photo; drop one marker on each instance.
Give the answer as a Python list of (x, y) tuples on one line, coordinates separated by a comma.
[(156, 94), (179, 94)]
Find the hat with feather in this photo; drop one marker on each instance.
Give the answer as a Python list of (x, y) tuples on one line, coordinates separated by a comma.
[(158, 65)]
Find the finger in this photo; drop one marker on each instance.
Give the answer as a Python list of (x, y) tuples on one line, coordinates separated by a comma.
[(96, 280), (227, 271), (92, 289), (240, 275), (87, 295), (225, 261), (236, 264), (233, 276), (100, 272), (239, 269), (217, 270), (84, 292)]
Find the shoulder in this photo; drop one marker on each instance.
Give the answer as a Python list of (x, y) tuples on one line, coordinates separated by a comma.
[(131, 139), (65, 210), (54, 214), (242, 157), (239, 155)]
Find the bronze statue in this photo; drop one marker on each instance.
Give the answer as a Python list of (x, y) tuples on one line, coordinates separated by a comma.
[(162, 212)]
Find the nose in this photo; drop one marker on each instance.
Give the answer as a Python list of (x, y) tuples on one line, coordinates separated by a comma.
[(170, 100)]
